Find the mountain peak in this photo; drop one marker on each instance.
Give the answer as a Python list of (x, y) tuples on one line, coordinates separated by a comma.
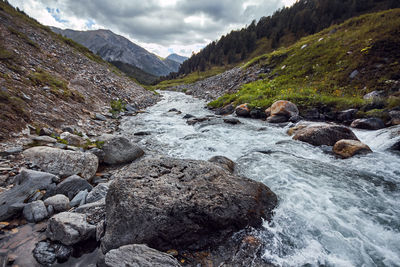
[(178, 58)]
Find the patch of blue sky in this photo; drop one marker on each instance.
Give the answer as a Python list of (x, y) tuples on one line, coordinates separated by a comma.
[(55, 13)]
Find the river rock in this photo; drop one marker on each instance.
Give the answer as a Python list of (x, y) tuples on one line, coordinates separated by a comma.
[(46, 253), (94, 211), (190, 204), (229, 109), (284, 108), (347, 115), (277, 119), (72, 186), (232, 121), (26, 184), (72, 139), (98, 192), (35, 211), (257, 113), (59, 202), (348, 148), (79, 199), (63, 162), (319, 135), (395, 117), (69, 228), (268, 112), (139, 255), (369, 124), (224, 162), (243, 110), (118, 150)]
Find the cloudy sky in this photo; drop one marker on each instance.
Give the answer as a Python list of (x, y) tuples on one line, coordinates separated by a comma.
[(161, 26)]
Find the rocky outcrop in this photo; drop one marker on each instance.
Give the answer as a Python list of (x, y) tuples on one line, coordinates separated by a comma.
[(324, 134), (139, 255), (26, 184), (72, 186), (368, 124), (63, 162), (189, 204), (118, 150), (69, 228), (349, 148), (242, 110)]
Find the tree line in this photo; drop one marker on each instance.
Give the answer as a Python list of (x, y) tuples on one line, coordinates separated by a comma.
[(284, 27)]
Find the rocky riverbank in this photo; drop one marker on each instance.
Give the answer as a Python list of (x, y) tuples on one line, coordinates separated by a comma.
[(63, 193)]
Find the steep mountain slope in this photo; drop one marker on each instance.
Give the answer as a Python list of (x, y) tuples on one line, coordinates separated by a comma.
[(113, 47), (330, 71), (177, 58), (48, 80)]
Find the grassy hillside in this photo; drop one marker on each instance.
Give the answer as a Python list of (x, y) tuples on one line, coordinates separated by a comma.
[(333, 68)]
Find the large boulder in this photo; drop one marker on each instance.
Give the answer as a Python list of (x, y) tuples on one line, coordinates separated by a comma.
[(72, 186), (63, 162), (368, 124), (243, 110), (35, 211), (348, 148), (190, 204), (139, 255), (118, 150), (229, 109), (69, 228), (26, 184), (284, 108), (326, 134)]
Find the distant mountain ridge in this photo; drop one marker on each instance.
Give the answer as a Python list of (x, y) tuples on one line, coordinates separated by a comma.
[(113, 47), (177, 58)]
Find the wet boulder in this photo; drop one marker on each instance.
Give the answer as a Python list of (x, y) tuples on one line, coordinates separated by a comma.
[(72, 186), (58, 202), (27, 183), (35, 211), (319, 135), (63, 163), (347, 115), (224, 162), (395, 117), (69, 228), (258, 113), (139, 255), (190, 204), (368, 124), (118, 150), (284, 108), (243, 110), (232, 121), (348, 148), (277, 119), (229, 109)]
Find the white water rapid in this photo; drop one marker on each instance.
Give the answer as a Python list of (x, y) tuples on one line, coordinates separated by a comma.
[(331, 212)]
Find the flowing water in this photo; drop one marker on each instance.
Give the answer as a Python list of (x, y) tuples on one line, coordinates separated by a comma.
[(331, 212)]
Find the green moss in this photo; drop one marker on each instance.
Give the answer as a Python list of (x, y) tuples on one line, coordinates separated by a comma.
[(315, 71)]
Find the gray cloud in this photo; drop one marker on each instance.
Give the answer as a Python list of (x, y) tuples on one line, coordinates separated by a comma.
[(187, 22)]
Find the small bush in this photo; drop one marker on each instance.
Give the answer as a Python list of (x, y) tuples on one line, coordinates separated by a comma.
[(117, 106)]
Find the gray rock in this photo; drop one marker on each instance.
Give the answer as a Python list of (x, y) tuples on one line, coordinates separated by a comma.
[(353, 74), (347, 115), (35, 211), (79, 199), (139, 255), (43, 140), (99, 153), (368, 124), (50, 210), (177, 203), (72, 186), (98, 192), (95, 211), (100, 117), (232, 121), (46, 253), (59, 202), (72, 139), (26, 184), (45, 132), (63, 162), (229, 109), (319, 135), (13, 150), (224, 162), (118, 150), (69, 228), (374, 94)]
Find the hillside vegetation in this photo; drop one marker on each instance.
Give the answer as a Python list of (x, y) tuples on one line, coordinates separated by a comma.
[(283, 28), (333, 68)]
